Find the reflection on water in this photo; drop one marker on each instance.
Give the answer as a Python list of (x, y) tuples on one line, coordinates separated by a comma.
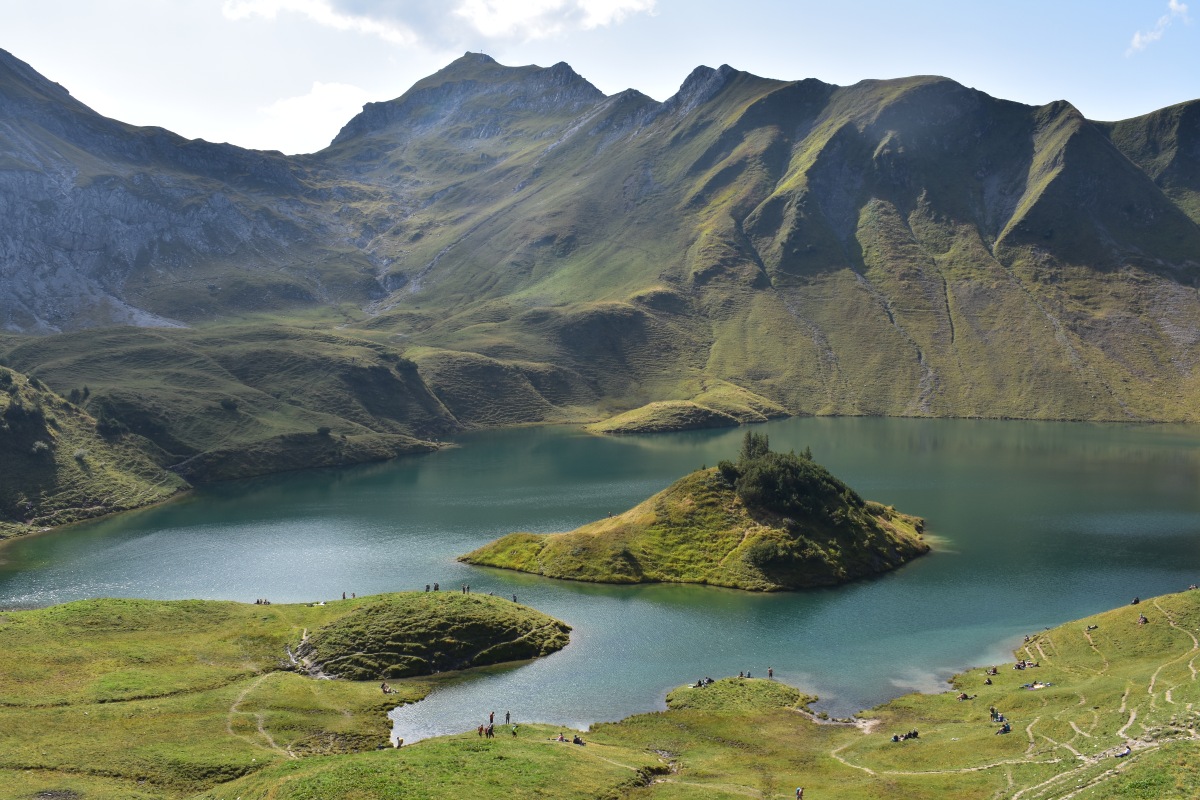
[(1039, 523)]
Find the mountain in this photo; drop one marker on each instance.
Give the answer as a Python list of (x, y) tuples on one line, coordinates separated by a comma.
[(539, 250)]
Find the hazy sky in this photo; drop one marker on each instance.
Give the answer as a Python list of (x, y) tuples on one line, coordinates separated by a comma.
[(287, 74)]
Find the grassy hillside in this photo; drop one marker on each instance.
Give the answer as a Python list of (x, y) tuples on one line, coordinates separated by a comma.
[(770, 522), (430, 633), (545, 253), (57, 467), (141, 698), (242, 400), (1100, 689)]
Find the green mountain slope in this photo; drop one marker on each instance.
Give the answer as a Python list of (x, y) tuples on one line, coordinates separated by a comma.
[(543, 252), (240, 401), (57, 467)]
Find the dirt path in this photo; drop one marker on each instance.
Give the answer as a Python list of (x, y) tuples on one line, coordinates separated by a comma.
[(259, 720)]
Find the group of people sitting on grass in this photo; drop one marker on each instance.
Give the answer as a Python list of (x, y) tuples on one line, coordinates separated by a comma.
[(998, 717), (383, 687), (1023, 664), (901, 737), (262, 602), (700, 684), (562, 738)]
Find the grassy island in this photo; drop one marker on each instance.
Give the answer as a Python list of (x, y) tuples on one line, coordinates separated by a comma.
[(163, 699), (769, 522)]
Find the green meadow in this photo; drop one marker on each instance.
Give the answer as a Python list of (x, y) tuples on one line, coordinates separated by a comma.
[(143, 698), (149, 699)]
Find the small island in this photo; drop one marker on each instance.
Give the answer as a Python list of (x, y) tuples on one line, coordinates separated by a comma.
[(769, 522)]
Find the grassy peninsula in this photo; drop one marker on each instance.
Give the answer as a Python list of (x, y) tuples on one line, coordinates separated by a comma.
[(163, 699), (771, 521), (1101, 684), (59, 465)]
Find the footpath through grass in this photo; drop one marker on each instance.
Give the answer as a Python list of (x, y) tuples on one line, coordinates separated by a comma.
[(1092, 693), (143, 698)]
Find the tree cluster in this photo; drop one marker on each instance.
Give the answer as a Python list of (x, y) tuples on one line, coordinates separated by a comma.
[(790, 485)]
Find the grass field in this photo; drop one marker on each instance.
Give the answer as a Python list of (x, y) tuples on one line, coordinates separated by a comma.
[(1121, 683), (142, 698)]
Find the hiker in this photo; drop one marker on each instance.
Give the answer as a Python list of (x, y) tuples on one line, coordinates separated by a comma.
[(799, 793), (435, 588), (514, 729), (480, 729), (427, 587), (771, 675), (491, 717), (741, 675), (343, 595), (507, 717), (399, 743), (514, 598)]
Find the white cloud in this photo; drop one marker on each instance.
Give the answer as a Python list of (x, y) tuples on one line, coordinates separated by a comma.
[(443, 23), (1143, 39), (309, 122), (502, 19), (600, 13), (322, 13)]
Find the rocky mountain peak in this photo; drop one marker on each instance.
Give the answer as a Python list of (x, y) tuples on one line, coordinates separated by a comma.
[(475, 79), (701, 85)]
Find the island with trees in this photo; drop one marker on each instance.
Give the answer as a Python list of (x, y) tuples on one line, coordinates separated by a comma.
[(767, 522)]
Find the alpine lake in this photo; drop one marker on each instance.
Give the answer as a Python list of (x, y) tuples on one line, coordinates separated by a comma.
[(1033, 524)]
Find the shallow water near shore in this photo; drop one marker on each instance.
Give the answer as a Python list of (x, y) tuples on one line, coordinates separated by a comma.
[(1034, 524)]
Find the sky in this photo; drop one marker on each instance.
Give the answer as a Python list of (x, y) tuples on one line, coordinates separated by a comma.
[(287, 74)]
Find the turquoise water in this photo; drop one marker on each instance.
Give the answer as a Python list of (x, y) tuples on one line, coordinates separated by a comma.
[(1035, 524)]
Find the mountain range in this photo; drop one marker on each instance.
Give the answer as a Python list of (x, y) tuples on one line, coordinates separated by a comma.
[(530, 249)]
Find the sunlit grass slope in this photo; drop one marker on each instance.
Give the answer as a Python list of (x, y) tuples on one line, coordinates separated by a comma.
[(56, 468), (543, 252), (1097, 691), (243, 400), (140, 698), (708, 528)]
